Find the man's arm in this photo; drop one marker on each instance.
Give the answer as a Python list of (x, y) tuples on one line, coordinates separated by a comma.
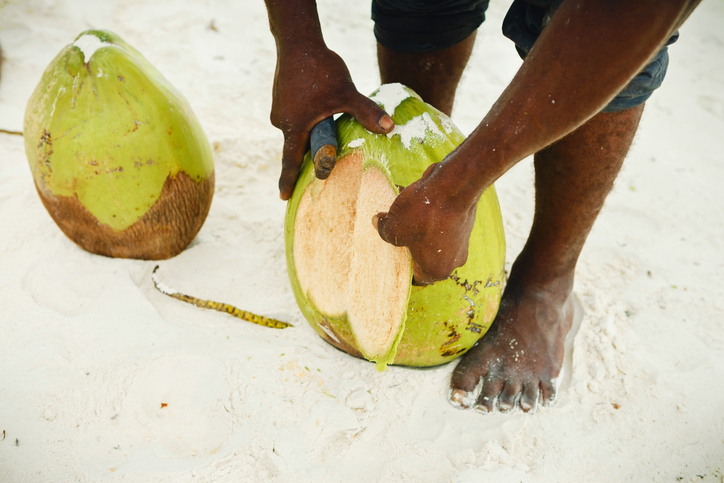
[(586, 54), (310, 83)]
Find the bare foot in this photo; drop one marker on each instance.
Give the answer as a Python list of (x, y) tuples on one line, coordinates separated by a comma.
[(518, 362)]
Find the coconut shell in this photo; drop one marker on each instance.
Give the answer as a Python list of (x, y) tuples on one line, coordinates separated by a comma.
[(439, 322), (117, 156)]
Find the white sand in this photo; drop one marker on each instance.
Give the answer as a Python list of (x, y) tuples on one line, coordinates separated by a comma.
[(89, 350)]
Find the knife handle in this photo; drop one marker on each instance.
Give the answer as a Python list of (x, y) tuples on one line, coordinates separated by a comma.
[(323, 141)]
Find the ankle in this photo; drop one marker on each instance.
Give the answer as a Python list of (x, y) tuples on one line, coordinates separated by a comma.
[(526, 278)]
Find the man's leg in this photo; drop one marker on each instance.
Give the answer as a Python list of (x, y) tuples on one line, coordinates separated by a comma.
[(433, 75), (520, 357)]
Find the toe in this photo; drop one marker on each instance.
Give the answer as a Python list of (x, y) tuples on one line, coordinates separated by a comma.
[(469, 371), (488, 395), (467, 378), (509, 396), (462, 399), (548, 392), (529, 397)]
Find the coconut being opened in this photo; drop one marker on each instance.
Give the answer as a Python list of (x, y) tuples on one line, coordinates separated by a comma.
[(355, 289)]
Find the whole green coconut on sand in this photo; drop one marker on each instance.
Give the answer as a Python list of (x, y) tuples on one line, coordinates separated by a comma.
[(118, 158)]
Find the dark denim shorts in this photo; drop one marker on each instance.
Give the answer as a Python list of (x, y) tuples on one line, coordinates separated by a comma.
[(524, 22), (429, 25), (425, 25)]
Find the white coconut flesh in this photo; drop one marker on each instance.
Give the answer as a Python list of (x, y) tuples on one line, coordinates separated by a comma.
[(342, 264)]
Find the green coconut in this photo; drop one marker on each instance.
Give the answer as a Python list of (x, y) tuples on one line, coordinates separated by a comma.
[(118, 158), (355, 289)]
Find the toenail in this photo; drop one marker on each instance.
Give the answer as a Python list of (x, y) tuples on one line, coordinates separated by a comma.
[(550, 401), (481, 409), (461, 399)]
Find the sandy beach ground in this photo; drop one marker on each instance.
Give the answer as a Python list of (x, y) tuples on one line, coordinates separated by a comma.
[(104, 379)]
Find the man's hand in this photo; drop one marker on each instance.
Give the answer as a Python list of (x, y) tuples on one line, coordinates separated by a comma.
[(311, 83), (309, 86), (432, 224)]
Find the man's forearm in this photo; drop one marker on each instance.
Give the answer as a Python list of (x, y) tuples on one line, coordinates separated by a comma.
[(294, 24), (587, 54)]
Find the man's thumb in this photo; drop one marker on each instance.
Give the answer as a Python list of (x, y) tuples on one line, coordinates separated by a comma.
[(374, 118), (379, 221)]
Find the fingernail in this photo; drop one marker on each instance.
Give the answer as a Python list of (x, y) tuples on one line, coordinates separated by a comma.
[(386, 122)]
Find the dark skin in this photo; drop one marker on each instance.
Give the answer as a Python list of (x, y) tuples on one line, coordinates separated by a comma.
[(586, 54), (432, 75), (309, 74), (520, 358)]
